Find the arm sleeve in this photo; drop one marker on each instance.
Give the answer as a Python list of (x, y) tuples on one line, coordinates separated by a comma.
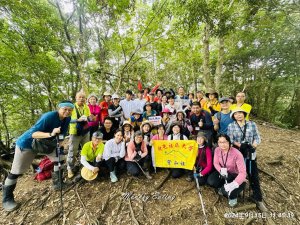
[(131, 153), (106, 153), (208, 124), (256, 135), (122, 152), (155, 88), (113, 113), (208, 167), (241, 177), (85, 163), (216, 161)]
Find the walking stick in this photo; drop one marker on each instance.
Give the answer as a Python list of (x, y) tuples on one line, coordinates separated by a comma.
[(141, 168), (59, 174), (200, 196)]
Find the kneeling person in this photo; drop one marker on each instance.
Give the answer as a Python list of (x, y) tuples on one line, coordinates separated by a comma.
[(91, 153)]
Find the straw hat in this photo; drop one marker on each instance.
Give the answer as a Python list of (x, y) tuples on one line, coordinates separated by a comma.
[(88, 174)]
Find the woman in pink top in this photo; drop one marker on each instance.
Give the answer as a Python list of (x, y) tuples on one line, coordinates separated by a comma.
[(95, 110), (203, 164), (230, 175)]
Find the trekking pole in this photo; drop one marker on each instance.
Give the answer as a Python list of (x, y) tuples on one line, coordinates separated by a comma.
[(59, 174), (141, 168), (201, 200)]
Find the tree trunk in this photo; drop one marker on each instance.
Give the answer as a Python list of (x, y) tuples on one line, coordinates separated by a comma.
[(4, 121), (206, 68), (219, 66)]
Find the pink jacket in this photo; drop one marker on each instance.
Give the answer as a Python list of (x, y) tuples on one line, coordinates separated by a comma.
[(131, 153), (95, 110), (235, 163)]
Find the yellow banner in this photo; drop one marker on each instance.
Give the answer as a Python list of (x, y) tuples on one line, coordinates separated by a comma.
[(175, 154)]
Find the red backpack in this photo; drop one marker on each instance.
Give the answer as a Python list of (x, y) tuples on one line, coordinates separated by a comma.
[(44, 169)]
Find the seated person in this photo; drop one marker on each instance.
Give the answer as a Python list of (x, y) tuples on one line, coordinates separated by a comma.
[(230, 175), (203, 164), (137, 156), (107, 129), (114, 152)]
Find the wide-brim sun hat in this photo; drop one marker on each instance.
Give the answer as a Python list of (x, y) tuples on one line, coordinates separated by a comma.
[(106, 93), (181, 111), (126, 122), (237, 110), (92, 95), (88, 174), (146, 122), (212, 91), (138, 112)]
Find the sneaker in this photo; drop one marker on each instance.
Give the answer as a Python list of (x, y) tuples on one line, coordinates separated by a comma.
[(147, 174), (232, 202), (113, 177), (261, 206), (70, 174)]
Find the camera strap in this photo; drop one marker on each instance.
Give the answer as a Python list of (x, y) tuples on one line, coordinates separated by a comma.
[(243, 131)]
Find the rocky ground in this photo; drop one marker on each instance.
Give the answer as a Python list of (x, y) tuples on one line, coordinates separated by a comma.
[(141, 201)]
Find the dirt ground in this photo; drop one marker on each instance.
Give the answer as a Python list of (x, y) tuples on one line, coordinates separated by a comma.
[(140, 201)]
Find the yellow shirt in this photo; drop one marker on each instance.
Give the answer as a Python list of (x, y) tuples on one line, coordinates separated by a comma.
[(90, 155), (82, 111), (245, 107), (215, 105)]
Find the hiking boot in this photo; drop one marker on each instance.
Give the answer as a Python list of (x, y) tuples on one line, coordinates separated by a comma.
[(261, 206), (147, 174), (113, 177), (232, 202), (70, 174), (8, 201)]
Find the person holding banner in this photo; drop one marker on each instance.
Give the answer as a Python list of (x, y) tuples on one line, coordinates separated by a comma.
[(137, 158), (177, 134), (203, 165), (114, 152), (230, 175)]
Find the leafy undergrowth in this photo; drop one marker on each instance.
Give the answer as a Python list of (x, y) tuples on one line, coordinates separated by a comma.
[(176, 202)]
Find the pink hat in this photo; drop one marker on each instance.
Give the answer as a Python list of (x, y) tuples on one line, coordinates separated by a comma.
[(165, 110)]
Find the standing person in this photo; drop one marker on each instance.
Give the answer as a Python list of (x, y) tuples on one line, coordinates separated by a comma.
[(47, 127), (136, 120), (104, 105), (245, 136), (184, 122), (149, 111), (95, 110), (230, 175), (137, 153), (127, 105), (158, 96), (201, 121), (91, 153), (114, 152), (240, 103), (163, 103), (212, 105), (223, 119), (181, 94), (139, 102), (177, 135), (107, 129), (166, 119), (200, 98), (173, 106), (78, 134), (203, 164), (115, 111), (153, 103)]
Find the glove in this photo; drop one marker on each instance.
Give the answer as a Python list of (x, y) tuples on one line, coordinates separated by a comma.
[(224, 173), (231, 186), (244, 148), (38, 170)]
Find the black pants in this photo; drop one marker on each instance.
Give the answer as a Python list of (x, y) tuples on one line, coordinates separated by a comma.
[(135, 170), (177, 172), (216, 181), (120, 165), (252, 172)]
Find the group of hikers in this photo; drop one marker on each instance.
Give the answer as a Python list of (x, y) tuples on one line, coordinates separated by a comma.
[(117, 134)]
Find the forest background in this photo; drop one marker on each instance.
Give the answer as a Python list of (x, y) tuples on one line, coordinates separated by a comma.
[(51, 49)]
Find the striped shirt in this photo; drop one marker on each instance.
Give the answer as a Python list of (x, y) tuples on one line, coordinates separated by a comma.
[(128, 107)]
